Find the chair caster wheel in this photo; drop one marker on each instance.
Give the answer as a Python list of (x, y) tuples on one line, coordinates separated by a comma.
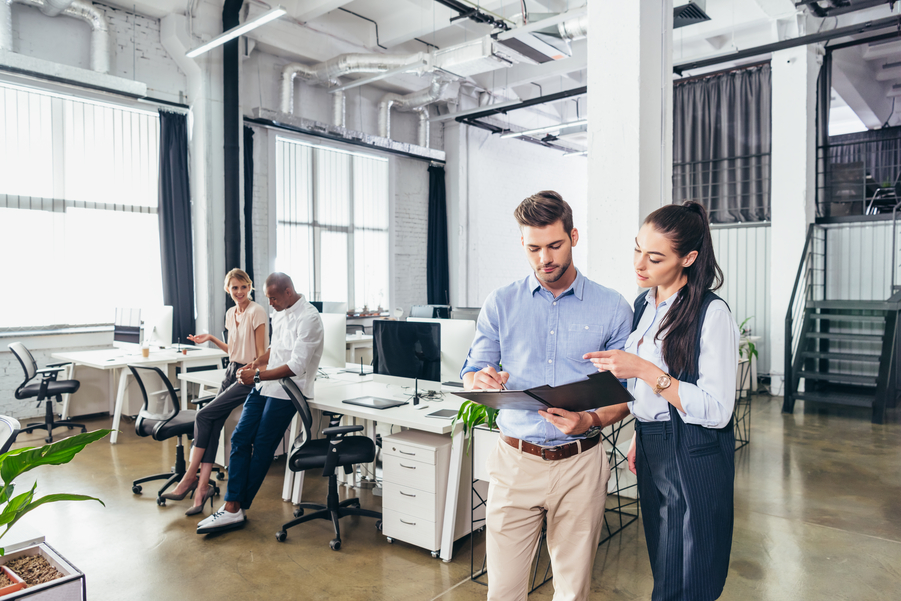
[(355, 505), (70, 427), (335, 544), (220, 476), (83, 430), (161, 502), (298, 512), (378, 525), (136, 489), (434, 554), (390, 540), (48, 440), (281, 535)]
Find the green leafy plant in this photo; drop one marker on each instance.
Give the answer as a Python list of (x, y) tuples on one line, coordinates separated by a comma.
[(16, 462), (746, 348), (472, 415)]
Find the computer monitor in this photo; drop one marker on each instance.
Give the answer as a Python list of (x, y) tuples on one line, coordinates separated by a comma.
[(456, 338), (335, 337), (404, 349), (330, 307), (471, 313), (436, 311), (317, 305), (158, 325), (127, 327)]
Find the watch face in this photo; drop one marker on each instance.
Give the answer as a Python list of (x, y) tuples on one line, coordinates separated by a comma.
[(663, 381)]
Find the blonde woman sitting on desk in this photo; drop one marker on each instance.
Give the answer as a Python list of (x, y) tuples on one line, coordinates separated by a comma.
[(246, 326)]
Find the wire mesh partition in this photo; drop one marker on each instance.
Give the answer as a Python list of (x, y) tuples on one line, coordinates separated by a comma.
[(732, 189), (859, 174)]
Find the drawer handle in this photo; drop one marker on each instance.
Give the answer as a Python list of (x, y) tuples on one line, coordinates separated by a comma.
[(407, 495), (408, 523), (405, 453), (409, 467)]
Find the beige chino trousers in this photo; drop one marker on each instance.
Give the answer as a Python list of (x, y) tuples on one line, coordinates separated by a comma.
[(572, 492)]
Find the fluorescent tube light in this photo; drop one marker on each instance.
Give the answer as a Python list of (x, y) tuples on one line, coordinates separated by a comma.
[(541, 130), (576, 154), (240, 30)]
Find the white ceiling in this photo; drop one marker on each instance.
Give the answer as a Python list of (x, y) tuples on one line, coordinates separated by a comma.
[(316, 30)]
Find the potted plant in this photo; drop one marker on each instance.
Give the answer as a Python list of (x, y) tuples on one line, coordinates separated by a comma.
[(12, 465), (747, 351), (474, 415)]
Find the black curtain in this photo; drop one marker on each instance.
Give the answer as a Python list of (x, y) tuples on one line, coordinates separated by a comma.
[(824, 100), (437, 270), (248, 201), (721, 143), (176, 247)]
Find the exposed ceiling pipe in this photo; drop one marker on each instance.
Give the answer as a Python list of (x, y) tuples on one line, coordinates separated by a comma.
[(78, 9), (327, 73), (574, 29), (416, 101), (52, 8)]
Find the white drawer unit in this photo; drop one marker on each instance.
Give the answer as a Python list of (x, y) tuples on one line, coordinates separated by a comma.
[(415, 465)]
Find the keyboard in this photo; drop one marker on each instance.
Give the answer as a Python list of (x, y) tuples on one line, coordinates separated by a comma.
[(454, 384)]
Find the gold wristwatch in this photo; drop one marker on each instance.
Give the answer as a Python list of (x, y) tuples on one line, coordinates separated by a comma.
[(663, 382)]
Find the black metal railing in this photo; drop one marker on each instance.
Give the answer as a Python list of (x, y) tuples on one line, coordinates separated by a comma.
[(733, 189), (809, 286), (858, 178)]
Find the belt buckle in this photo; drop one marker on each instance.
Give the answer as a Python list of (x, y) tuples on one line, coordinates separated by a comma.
[(543, 449)]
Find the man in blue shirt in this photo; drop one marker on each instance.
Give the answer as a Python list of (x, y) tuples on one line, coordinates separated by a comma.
[(547, 463)]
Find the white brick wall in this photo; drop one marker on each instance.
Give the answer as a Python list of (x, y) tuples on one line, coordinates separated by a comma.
[(411, 215)]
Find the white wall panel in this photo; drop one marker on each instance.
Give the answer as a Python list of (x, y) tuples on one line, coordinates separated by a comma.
[(858, 260)]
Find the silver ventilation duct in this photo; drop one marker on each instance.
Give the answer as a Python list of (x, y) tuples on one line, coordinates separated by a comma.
[(417, 102), (574, 29), (328, 72), (79, 9), (52, 8)]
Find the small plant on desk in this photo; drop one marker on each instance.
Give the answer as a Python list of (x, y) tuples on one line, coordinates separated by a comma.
[(746, 348), (18, 461)]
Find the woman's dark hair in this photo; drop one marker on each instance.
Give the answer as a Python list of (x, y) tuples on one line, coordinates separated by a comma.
[(687, 228)]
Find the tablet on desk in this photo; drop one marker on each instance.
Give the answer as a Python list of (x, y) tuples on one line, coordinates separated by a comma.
[(443, 413), (375, 402)]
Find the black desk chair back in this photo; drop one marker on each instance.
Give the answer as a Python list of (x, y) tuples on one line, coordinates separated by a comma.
[(43, 391), (161, 418), (9, 429), (334, 451)]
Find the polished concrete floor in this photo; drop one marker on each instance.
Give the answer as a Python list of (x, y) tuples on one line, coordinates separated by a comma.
[(818, 516)]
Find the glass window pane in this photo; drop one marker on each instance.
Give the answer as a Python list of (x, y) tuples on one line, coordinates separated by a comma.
[(26, 144), (332, 187), (294, 183), (333, 262), (370, 192), (371, 269), (294, 257)]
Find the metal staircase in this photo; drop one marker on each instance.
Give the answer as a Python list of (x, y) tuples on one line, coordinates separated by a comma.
[(843, 351)]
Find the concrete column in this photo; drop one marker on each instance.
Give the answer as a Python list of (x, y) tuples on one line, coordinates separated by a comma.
[(205, 143), (793, 188), (630, 131)]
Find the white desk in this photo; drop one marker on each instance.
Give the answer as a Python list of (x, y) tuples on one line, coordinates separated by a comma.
[(354, 343), (116, 359), (329, 396)]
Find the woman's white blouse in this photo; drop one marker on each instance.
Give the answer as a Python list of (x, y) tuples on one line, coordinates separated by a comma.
[(708, 403)]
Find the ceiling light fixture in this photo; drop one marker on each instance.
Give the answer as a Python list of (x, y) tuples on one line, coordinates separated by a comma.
[(541, 130), (576, 154), (240, 30)]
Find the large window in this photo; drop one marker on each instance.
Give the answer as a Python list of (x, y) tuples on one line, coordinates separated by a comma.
[(332, 214), (78, 203)]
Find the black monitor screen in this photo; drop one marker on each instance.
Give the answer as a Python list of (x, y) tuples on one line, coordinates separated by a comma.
[(407, 349), (130, 334), (317, 304)]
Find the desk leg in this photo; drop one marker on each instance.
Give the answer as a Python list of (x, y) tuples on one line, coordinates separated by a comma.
[(453, 492), (370, 432), (184, 388), (288, 485), (120, 400), (70, 375)]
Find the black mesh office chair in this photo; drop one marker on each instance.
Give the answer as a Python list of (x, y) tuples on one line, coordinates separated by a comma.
[(45, 391), (335, 450), (9, 429), (161, 417)]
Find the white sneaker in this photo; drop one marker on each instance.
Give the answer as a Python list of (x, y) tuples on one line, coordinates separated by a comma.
[(220, 521)]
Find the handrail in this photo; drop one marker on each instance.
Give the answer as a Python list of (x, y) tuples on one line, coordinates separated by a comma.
[(788, 377), (894, 256)]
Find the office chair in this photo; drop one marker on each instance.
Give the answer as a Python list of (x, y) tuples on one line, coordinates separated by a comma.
[(44, 391), (9, 429), (333, 451), (162, 418)]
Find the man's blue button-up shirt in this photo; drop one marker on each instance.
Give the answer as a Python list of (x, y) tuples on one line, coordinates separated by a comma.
[(539, 339)]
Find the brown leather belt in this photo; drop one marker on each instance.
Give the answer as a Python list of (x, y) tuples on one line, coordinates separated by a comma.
[(552, 453)]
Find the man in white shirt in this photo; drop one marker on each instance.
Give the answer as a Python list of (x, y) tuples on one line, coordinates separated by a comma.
[(294, 352)]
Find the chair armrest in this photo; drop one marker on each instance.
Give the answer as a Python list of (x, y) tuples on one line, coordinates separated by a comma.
[(341, 430), (63, 364), (204, 400), (50, 370)]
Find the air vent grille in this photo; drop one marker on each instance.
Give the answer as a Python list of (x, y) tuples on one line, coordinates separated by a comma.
[(688, 14)]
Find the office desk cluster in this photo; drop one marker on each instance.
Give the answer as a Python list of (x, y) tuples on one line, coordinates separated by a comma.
[(431, 452)]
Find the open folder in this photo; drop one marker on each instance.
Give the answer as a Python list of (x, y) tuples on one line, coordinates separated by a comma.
[(597, 390)]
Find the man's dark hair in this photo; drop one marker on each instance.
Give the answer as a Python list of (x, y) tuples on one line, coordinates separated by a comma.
[(543, 209)]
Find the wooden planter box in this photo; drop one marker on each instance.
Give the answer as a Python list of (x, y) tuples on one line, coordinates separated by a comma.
[(71, 587)]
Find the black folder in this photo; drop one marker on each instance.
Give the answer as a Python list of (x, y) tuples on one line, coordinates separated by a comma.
[(599, 389)]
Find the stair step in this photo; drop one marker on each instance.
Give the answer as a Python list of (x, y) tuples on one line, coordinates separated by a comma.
[(841, 356), (852, 337), (838, 377), (837, 398), (843, 317), (852, 304)]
